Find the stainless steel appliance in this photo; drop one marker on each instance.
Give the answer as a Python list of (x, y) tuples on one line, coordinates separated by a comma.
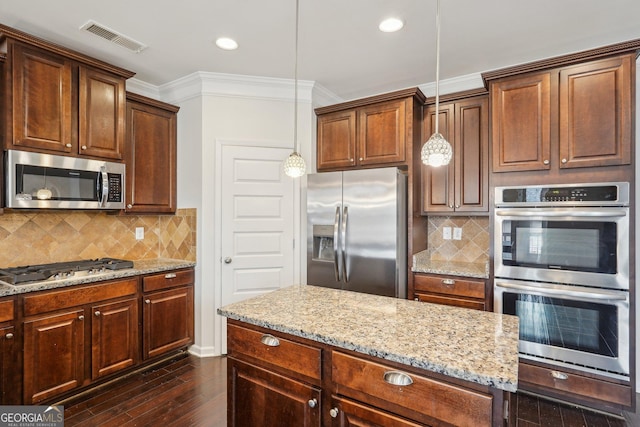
[(61, 270), (562, 266), (357, 231), (36, 181)]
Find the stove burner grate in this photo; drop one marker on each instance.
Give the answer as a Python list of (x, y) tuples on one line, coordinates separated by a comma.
[(33, 273)]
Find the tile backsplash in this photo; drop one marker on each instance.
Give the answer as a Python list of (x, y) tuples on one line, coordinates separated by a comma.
[(28, 238), (474, 245)]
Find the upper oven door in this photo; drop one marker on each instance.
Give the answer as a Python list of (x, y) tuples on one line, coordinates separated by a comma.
[(587, 246)]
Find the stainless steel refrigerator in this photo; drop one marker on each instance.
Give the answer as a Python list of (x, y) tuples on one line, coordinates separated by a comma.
[(357, 231)]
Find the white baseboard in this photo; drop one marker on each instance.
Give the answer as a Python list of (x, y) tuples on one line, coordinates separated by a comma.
[(198, 351)]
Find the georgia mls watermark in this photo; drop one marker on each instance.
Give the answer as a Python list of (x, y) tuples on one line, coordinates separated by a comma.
[(32, 416)]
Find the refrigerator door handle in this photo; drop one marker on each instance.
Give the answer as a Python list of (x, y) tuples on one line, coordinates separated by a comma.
[(336, 252), (343, 240)]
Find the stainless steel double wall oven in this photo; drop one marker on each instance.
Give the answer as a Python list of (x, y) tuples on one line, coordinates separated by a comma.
[(562, 266)]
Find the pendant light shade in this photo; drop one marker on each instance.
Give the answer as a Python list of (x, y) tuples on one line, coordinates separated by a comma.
[(437, 150), (295, 166)]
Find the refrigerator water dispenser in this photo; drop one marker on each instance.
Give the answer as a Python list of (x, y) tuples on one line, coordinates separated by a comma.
[(323, 243)]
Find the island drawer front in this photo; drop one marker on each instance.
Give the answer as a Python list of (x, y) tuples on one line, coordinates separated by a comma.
[(6, 310), (289, 355), (73, 297), (167, 279), (449, 285), (436, 399), (575, 384)]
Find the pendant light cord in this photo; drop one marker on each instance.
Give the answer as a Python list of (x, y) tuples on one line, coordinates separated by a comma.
[(295, 89), (437, 64)]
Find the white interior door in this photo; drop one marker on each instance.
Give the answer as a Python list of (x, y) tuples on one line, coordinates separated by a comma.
[(257, 224)]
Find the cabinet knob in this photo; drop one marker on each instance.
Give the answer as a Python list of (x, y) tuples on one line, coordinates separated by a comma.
[(68, 145), (97, 313), (361, 159), (312, 403), (448, 282), (457, 206), (9, 336), (227, 260), (147, 301), (564, 160), (334, 412), (129, 206), (84, 147), (81, 317), (546, 162), (450, 206), (351, 160)]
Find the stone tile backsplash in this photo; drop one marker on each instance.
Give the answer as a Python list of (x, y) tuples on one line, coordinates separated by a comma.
[(28, 238), (473, 247)]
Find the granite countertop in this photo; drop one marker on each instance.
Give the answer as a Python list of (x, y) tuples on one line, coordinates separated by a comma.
[(476, 346), (146, 266), (422, 263)]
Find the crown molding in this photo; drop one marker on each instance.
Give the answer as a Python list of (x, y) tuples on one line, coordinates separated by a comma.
[(455, 84)]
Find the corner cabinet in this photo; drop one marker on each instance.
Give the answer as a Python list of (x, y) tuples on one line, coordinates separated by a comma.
[(61, 101), (463, 185), (150, 155)]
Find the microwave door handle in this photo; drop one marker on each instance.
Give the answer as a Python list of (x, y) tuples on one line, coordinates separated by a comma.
[(104, 188), (336, 247), (587, 214), (564, 292)]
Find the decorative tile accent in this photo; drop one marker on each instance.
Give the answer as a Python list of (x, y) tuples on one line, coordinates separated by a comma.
[(472, 248), (28, 238)]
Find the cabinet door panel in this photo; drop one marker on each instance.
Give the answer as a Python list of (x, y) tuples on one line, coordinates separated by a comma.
[(595, 114), (9, 367), (42, 104), (260, 398), (438, 182), (520, 118), (472, 157), (381, 137), (353, 414), (114, 337), (336, 140), (168, 321), (101, 114), (53, 355)]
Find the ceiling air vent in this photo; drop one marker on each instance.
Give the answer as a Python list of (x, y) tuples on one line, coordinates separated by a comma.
[(113, 36)]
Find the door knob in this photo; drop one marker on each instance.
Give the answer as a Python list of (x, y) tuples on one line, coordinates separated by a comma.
[(227, 260)]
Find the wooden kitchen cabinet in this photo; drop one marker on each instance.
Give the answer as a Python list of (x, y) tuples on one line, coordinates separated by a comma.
[(167, 312), (66, 345), (452, 290), (371, 132), (349, 413), (61, 101), (10, 359), (150, 155), (575, 116), (463, 185)]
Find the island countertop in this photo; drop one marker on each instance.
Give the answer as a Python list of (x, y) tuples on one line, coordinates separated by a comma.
[(471, 345)]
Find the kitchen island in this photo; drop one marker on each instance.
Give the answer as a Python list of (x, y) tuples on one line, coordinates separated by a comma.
[(321, 356)]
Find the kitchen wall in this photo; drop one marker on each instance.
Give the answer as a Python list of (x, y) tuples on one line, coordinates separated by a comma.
[(37, 237), (472, 247)]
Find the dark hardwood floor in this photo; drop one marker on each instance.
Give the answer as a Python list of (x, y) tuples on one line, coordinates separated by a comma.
[(189, 391)]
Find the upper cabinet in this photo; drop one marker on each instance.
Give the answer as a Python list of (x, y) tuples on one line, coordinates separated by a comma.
[(57, 100), (150, 155), (371, 132), (567, 117), (462, 186)]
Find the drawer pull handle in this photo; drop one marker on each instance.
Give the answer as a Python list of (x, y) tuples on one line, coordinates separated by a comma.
[(312, 403), (9, 336), (559, 375), (397, 378), (270, 340), (334, 412), (448, 282), (170, 276)]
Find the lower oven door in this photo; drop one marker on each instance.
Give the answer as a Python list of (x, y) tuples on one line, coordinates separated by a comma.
[(572, 326)]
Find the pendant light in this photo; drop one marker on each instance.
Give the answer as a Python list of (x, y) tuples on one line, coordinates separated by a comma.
[(437, 151), (294, 166)]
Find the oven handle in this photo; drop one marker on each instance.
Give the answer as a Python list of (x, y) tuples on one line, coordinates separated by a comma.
[(613, 213), (565, 292)]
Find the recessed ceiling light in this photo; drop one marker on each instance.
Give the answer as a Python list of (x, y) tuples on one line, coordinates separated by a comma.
[(390, 25), (226, 43)]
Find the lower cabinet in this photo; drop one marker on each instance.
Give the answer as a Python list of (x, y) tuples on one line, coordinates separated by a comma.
[(452, 290), (349, 413), (10, 390)]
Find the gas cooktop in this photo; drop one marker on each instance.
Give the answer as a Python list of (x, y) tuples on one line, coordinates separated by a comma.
[(61, 270)]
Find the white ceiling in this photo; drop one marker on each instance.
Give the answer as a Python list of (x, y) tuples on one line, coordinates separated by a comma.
[(340, 46)]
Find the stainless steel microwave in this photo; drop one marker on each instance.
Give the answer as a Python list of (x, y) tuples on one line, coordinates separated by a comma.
[(45, 181)]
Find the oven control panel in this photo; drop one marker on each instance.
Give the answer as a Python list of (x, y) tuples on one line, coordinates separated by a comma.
[(615, 193)]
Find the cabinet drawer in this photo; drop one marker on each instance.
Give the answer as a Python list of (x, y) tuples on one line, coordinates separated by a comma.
[(289, 355), (564, 382), (456, 302), (435, 399), (57, 300), (168, 279), (6, 310), (449, 285)]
